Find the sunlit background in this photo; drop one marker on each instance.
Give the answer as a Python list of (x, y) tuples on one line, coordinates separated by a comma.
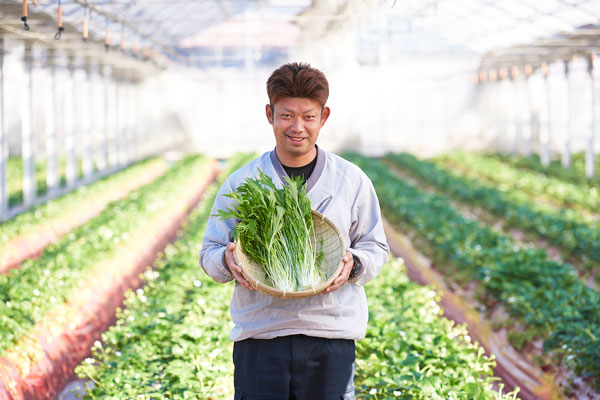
[(421, 76)]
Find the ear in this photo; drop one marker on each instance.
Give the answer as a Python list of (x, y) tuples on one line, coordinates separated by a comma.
[(325, 115), (269, 112)]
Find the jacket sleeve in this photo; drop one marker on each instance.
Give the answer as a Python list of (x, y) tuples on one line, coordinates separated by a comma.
[(367, 238), (216, 237)]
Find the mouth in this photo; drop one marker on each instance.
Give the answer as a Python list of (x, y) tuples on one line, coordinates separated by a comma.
[(296, 139)]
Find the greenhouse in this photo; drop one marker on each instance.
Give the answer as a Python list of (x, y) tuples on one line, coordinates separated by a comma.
[(465, 132)]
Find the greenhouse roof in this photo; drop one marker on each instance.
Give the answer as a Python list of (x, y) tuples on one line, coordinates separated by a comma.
[(176, 27)]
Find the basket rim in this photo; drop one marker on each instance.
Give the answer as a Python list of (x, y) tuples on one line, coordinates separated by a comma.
[(271, 291)]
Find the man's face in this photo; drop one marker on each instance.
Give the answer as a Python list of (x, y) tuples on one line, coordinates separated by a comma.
[(296, 124)]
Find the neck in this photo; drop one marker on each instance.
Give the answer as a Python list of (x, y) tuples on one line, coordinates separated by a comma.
[(296, 161)]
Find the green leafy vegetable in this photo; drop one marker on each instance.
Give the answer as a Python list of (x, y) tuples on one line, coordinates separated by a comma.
[(276, 230)]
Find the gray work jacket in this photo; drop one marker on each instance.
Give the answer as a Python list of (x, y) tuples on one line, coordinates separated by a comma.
[(346, 196)]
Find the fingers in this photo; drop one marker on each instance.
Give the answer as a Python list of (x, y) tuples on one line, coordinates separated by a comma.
[(235, 269), (344, 274)]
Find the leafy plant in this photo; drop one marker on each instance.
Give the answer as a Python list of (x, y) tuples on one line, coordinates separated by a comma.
[(276, 230), (412, 352)]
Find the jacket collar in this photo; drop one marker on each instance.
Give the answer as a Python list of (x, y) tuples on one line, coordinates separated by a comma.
[(314, 177)]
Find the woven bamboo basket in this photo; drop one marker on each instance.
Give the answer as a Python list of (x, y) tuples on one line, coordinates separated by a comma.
[(333, 248)]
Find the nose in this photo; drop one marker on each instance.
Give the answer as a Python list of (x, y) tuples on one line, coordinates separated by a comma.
[(297, 125)]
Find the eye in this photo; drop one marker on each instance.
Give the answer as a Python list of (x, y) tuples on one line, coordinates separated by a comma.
[(310, 117)]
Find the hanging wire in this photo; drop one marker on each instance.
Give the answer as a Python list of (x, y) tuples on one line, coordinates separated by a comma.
[(107, 35), (85, 23), (60, 23), (122, 37), (135, 46), (24, 17)]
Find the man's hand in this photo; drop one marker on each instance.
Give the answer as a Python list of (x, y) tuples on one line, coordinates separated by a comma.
[(235, 269), (343, 276)]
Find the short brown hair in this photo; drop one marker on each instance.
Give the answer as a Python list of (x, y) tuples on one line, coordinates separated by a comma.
[(297, 80)]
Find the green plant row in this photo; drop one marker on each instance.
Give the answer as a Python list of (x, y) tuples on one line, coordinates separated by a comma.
[(563, 228), (575, 174), (56, 209), (511, 179), (28, 294), (171, 340), (412, 352), (547, 296)]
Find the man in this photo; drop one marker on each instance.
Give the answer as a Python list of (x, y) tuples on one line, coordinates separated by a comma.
[(301, 348)]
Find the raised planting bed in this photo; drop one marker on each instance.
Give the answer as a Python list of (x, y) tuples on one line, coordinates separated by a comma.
[(28, 233), (509, 179), (53, 308), (564, 228), (544, 295)]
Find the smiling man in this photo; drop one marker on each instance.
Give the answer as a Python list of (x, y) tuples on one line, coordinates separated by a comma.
[(301, 348)]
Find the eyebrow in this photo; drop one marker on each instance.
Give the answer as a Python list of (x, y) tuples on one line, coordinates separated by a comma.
[(303, 112)]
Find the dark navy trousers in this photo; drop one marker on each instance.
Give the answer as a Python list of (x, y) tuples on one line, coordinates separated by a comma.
[(296, 367)]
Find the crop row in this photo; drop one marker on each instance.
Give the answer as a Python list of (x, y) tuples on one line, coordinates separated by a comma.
[(511, 178), (574, 174), (563, 228), (171, 340), (46, 295), (29, 232), (547, 296), (411, 352)]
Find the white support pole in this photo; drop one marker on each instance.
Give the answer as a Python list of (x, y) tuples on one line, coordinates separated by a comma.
[(122, 120), (126, 121), (492, 114), (87, 161), (29, 182), (110, 106), (545, 118), (3, 146), (51, 110), (526, 111), (69, 111), (138, 154), (508, 111), (572, 110), (515, 103), (100, 96), (590, 162), (119, 102), (93, 120)]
